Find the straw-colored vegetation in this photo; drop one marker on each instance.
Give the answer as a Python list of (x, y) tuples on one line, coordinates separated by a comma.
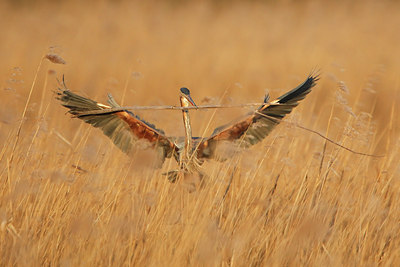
[(68, 197)]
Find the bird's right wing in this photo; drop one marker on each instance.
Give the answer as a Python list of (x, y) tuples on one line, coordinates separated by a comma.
[(258, 124), (122, 127)]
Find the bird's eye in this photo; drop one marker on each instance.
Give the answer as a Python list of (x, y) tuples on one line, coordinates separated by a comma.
[(185, 91)]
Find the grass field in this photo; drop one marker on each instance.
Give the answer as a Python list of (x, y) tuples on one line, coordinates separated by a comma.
[(68, 197)]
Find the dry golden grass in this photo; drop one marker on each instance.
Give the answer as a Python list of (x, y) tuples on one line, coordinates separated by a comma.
[(68, 197)]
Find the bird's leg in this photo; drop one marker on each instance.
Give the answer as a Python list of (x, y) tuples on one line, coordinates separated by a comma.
[(173, 175), (201, 175)]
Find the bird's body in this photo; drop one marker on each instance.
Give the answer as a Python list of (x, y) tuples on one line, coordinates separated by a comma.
[(125, 128)]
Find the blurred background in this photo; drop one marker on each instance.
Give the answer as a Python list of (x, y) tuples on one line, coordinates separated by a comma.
[(68, 197), (238, 49)]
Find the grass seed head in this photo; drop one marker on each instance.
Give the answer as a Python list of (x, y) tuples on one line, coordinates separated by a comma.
[(55, 59)]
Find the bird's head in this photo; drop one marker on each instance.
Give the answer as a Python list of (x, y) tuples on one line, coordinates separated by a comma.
[(186, 98)]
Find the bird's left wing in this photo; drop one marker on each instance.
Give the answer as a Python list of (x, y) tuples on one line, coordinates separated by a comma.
[(123, 127), (258, 124)]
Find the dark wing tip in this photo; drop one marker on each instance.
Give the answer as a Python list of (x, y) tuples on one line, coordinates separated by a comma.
[(315, 75), (302, 90)]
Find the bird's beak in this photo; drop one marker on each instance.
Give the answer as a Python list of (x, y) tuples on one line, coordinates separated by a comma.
[(189, 98)]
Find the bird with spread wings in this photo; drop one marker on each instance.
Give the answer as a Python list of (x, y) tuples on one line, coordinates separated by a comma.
[(125, 128)]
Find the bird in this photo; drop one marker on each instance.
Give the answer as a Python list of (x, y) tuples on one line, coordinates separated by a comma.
[(125, 128)]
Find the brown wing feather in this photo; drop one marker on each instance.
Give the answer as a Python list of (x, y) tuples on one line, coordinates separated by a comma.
[(122, 127), (257, 125)]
